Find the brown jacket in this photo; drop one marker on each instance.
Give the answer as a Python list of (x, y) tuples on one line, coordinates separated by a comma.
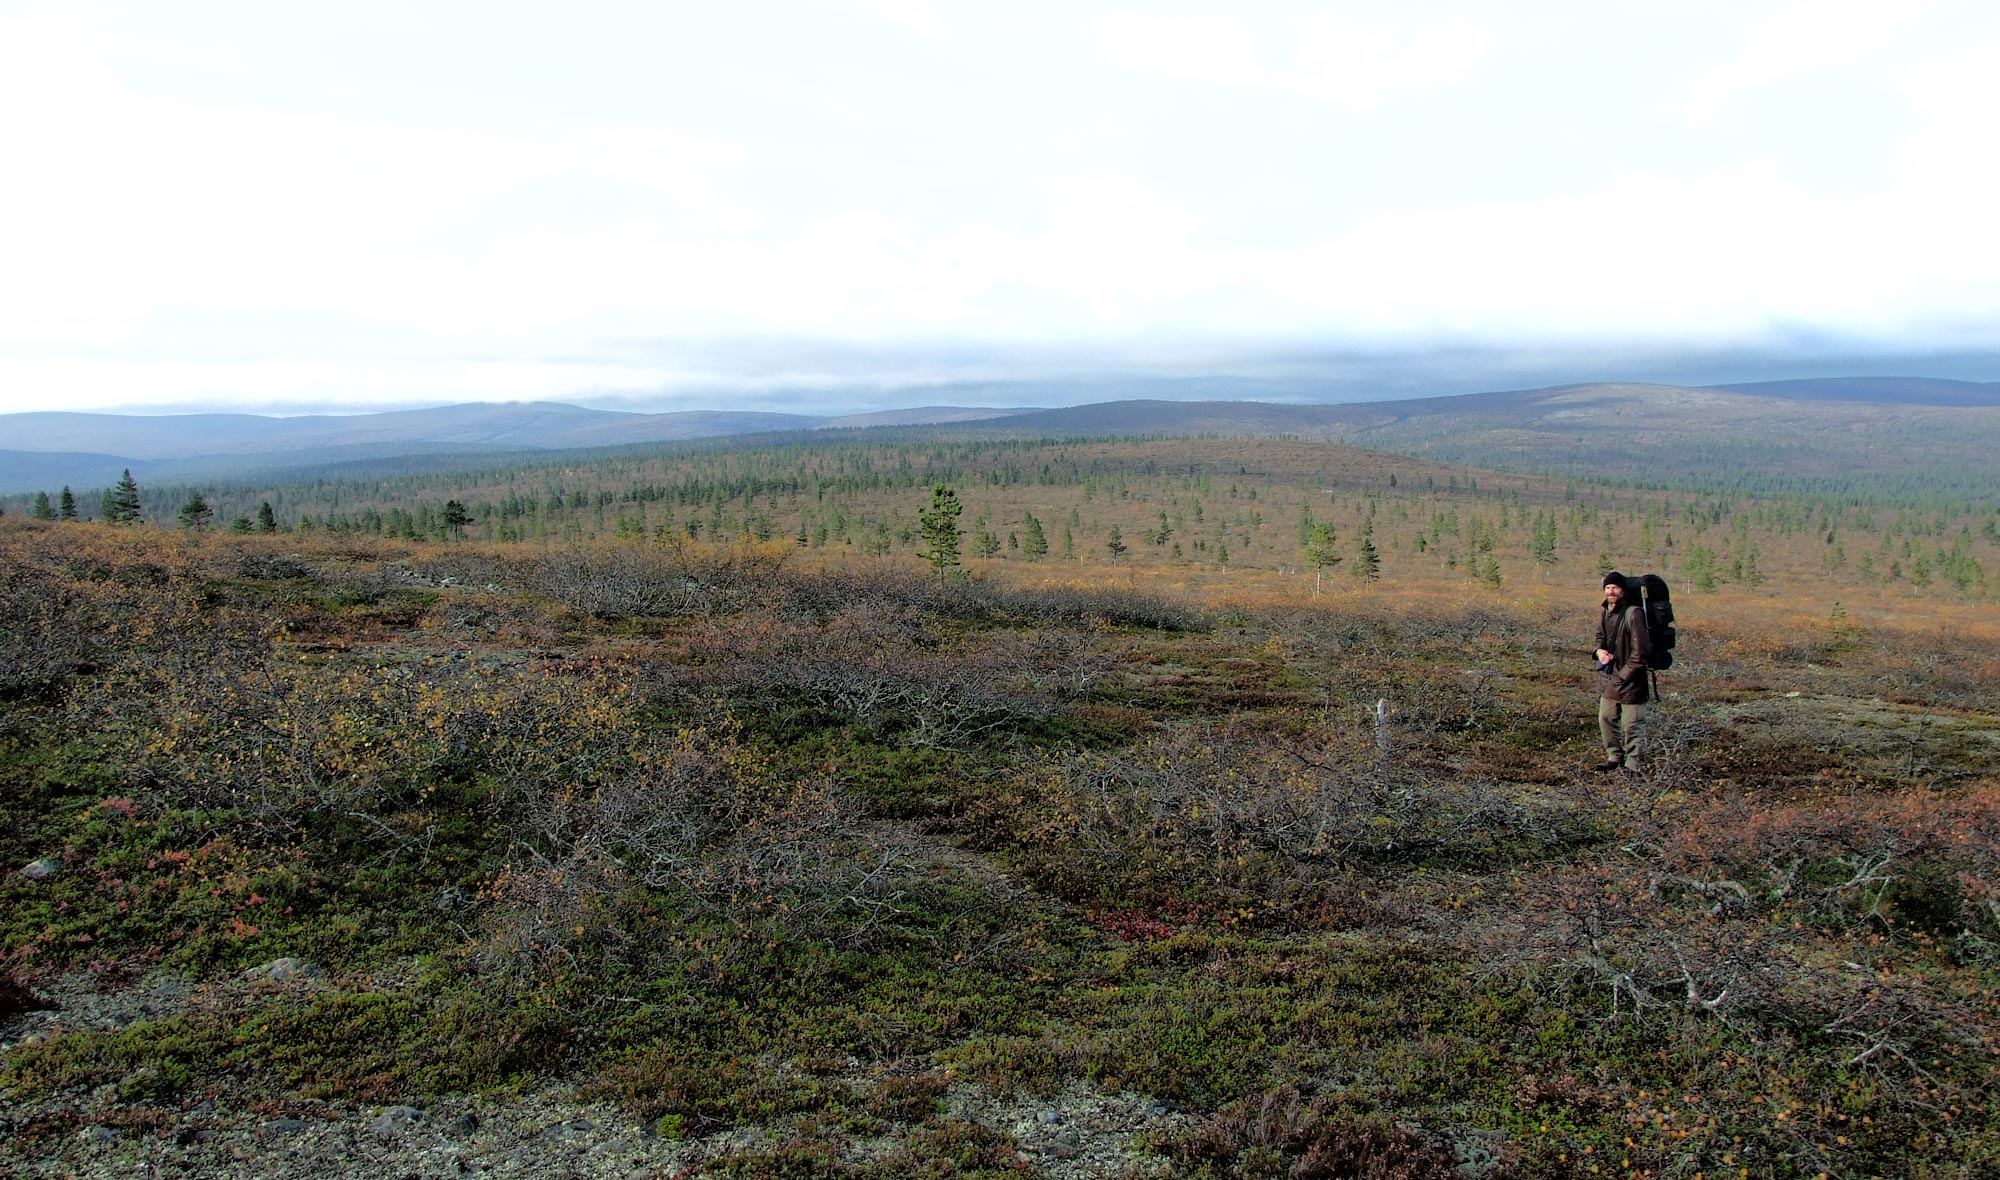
[(1624, 635)]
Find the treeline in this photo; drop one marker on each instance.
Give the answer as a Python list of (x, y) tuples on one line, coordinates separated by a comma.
[(1280, 505)]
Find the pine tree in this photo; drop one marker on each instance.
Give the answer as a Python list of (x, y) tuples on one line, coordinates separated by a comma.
[(121, 501), (1116, 544), (267, 521), (41, 509), (241, 525), (939, 525), (66, 504), (1321, 551)]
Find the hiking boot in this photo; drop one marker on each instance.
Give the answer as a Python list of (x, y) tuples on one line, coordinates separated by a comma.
[(1609, 765)]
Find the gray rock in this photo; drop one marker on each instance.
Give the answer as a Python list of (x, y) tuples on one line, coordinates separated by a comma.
[(1050, 1118), (395, 1120), (281, 1127), (286, 970), (41, 870), (463, 1126), (100, 1134)]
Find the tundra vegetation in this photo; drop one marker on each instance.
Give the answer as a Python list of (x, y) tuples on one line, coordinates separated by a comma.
[(691, 783)]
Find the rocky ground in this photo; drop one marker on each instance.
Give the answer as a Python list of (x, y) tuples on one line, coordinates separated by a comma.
[(1080, 1134)]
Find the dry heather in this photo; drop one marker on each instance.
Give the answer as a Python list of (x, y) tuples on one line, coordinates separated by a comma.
[(766, 865)]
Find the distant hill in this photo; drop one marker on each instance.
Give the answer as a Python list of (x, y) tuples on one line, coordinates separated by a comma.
[(1816, 428), (920, 416), (46, 471), (1663, 433), (50, 449), (1915, 391), (512, 426)]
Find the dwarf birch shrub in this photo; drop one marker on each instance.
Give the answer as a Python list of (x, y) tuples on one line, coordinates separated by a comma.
[(619, 581), (697, 825), (886, 674)]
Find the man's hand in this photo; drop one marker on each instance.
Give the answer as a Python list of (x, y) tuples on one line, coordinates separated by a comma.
[(1603, 657)]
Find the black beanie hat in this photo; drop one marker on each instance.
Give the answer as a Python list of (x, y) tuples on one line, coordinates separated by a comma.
[(1614, 576)]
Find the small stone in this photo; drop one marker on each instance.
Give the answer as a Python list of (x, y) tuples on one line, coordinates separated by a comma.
[(100, 1134), (395, 1120), (1163, 1108), (41, 870), (280, 1127), (462, 1126), (285, 970), (1050, 1118)]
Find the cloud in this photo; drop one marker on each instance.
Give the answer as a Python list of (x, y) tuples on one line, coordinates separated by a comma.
[(1358, 66), (1328, 58), (1802, 39), (120, 207), (1201, 50), (1085, 187)]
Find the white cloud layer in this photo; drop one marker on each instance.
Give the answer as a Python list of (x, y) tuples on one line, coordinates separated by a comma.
[(220, 205)]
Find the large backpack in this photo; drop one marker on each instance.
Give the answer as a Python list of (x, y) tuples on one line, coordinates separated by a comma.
[(1649, 595)]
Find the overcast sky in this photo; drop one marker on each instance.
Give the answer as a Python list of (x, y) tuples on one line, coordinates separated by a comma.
[(685, 205)]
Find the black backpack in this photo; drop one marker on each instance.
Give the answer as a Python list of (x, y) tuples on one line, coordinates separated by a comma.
[(1648, 594)]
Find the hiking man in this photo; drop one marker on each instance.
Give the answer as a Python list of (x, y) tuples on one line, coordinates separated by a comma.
[(1623, 643)]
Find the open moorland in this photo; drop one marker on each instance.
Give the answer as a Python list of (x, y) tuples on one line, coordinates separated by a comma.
[(1229, 811)]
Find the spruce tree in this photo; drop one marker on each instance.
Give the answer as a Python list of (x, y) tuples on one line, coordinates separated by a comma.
[(195, 514), (1034, 542), (1542, 542), (267, 521), (41, 509), (66, 504), (1367, 558), (121, 500)]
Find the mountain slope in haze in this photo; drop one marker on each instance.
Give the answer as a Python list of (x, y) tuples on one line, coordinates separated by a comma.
[(1871, 426), (46, 471), (513, 426), (1915, 391), (1612, 429)]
